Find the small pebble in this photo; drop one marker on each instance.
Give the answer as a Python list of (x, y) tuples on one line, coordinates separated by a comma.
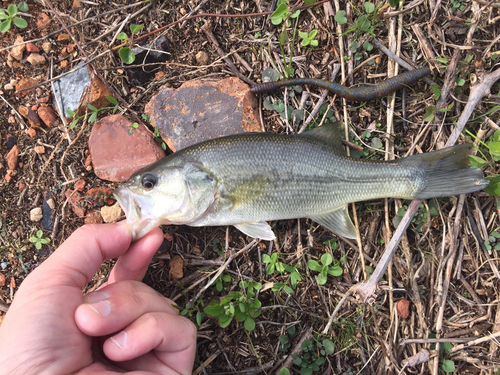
[(36, 214)]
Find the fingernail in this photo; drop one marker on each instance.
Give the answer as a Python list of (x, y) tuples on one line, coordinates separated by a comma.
[(120, 339), (95, 297), (102, 308)]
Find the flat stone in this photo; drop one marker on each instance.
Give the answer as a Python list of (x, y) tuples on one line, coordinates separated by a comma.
[(118, 150), (43, 21), (23, 84), (93, 217), (111, 214), (77, 88), (40, 149), (75, 201), (200, 110), (12, 157), (30, 47), (176, 265), (47, 115), (36, 214), (48, 207), (80, 184), (18, 51), (36, 59)]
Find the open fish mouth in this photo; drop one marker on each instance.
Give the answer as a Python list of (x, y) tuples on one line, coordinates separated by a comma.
[(135, 211)]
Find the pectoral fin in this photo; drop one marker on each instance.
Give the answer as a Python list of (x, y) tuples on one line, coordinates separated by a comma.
[(260, 229), (338, 222)]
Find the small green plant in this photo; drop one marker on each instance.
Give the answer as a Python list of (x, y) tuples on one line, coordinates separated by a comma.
[(38, 240), (192, 313), (274, 264), (493, 241), (217, 246), (243, 306), (313, 355), (158, 139), (324, 268), (132, 126), (94, 111), (10, 17), (308, 39), (285, 339), (126, 53), (420, 219), (491, 157), (340, 17), (219, 283)]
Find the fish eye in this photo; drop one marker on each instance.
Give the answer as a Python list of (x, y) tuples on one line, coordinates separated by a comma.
[(148, 181)]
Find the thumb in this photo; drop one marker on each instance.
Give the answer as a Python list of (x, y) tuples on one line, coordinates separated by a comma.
[(76, 261)]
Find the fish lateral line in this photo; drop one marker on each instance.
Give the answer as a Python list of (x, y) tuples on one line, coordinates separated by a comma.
[(363, 93)]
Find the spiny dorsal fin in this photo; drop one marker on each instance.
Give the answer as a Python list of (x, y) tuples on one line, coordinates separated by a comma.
[(328, 134)]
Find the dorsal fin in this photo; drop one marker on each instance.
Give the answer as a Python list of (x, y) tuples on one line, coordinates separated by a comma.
[(328, 134)]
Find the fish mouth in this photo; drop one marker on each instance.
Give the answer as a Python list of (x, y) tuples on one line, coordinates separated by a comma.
[(136, 212)]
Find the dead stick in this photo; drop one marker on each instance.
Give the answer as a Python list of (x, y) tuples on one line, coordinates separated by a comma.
[(208, 32)]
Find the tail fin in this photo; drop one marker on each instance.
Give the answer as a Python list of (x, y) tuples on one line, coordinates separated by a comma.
[(448, 172)]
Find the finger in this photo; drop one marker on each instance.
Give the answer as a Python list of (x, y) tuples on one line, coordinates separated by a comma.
[(76, 261), (172, 337), (134, 263), (117, 305)]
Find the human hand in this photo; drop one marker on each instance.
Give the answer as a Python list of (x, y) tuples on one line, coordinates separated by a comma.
[(51, 328)]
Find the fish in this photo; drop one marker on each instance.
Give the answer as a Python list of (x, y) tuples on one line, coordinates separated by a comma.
[(246, 180)]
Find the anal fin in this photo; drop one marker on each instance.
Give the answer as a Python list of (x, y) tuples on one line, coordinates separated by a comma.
[(259, 229), (338, 222)]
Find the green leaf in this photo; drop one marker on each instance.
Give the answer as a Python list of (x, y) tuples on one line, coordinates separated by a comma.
[(127, 55), (363, 23), (5, 26), (249, 324), (23, 7), (340, 17), (33, 239), (313, 34), (225, 320), (306, 371), (496, 136), (12, 10), (295, 15), (314, 266), (314, 43), (460, 82), (326, 259), (476, 161), (429, 114), (303, 34), (112, 99), (321, 278), (329, 346), (376, 143), (213, 309), (38, 245), (448, 365), (283, 37), (70, 113), (136, 28), (93, 117), (309, 2), (3, 15), (335, 271), (284, 370), (73, 123), (20, 22), (494, 187), (494, 148), (367, 46), (122, 36), (280, 12), (443, 60), (369, 7), (284, 339)]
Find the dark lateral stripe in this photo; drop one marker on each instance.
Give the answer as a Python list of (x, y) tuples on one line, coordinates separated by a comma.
[(363, 93)]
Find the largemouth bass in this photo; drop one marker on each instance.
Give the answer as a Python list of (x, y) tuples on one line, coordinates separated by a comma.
[(247, 179)]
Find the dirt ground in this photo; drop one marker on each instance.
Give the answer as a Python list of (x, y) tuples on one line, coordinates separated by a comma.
[(442, 287)]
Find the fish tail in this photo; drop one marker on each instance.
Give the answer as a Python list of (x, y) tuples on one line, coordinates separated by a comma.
[(447, 172)]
